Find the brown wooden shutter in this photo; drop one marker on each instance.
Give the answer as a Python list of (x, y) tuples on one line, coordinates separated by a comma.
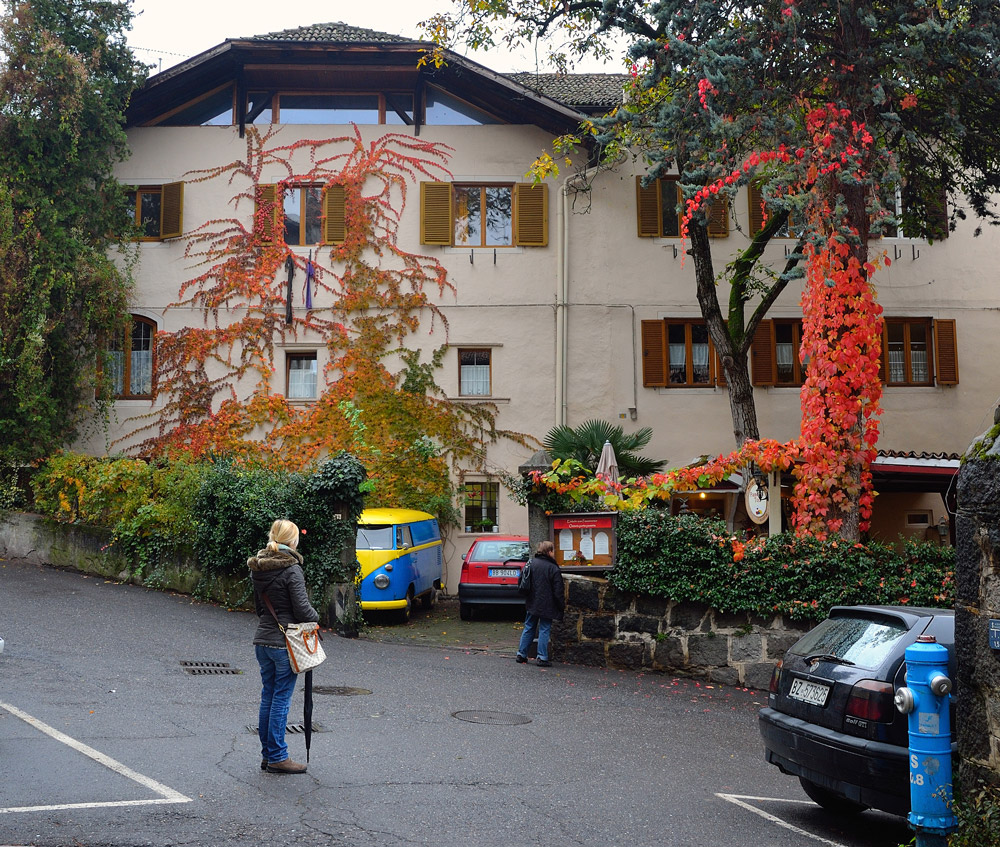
[(762, 357), (946, 352), (334, 220), (756, 201), (435, 213), (654, 354), (647, 203), (718, 218), (883, 359), (531, 214), (266, 211), (171, 210)]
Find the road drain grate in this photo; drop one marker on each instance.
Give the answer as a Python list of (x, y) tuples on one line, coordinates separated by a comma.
[(296, 728), (339, 690), (206, 668), (492, 718)]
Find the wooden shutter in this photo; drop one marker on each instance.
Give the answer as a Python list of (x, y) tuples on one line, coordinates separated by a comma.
[(946, 352), (171, 210), (334, 220), (756, 200), (762, 358), (883, 359), (531, 214), (435, 213), (654, 354), (266, 211), (647, 204), (718, 218)]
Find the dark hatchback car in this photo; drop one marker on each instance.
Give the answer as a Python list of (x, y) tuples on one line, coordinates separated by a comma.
[(490, 571), (830, 718)]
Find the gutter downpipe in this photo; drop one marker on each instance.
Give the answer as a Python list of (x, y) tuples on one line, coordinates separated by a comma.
[(562, 304)]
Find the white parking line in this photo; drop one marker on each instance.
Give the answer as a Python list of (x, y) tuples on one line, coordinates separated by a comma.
[(738, 799), (167, 795)]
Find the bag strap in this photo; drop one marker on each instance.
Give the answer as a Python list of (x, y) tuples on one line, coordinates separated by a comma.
[(267, 602)]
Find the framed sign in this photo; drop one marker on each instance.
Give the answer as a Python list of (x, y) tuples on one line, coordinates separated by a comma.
[(756, 501)]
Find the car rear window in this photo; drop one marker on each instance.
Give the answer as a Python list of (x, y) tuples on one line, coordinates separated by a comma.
[(499, 551), (866, 642), (374, 537)]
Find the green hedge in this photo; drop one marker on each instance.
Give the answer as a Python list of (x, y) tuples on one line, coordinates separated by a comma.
[(696, 559)]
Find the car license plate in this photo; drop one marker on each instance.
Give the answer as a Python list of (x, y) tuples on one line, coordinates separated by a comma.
[(504, 572), (814, 693)]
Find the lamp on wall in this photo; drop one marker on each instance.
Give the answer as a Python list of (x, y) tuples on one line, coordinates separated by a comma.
[(942, 527), (759, 480)]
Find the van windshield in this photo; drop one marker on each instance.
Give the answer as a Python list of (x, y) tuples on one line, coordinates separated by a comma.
[(375, 537)]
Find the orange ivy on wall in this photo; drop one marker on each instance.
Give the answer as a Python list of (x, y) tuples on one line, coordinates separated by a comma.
[(217, 381)]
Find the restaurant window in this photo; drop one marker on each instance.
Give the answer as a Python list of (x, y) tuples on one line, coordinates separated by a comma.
[(907, 351), (484, 214), (474, 378), (658, 210), (302, 376), (676, 354), (775, 353), (482, 506), (130, 360)]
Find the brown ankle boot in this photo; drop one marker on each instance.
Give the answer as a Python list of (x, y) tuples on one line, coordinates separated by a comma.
[(287, 766)]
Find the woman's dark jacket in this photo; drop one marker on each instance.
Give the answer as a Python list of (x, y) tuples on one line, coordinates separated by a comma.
[(546, 598), (279, 573)]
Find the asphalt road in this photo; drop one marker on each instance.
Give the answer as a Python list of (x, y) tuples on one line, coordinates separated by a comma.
[(106, 739)]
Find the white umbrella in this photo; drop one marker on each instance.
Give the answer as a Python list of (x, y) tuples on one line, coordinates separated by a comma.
[(607, 465)]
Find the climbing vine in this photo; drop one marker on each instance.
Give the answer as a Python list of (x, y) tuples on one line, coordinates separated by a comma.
[(364, 297)]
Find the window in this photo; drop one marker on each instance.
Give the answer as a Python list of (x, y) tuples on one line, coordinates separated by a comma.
[(913, 211), (214, 109), (442, 109), (157, 210), (677, 354), (264, 107), (484, 214), (474, 373), (775, 353), (130, 361), (658, 210), (757, 210), (906, 349), (307, 214), (481, 509), (301, 376)]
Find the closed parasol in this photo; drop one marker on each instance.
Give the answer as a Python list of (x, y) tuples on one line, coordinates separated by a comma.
[(607, 464)]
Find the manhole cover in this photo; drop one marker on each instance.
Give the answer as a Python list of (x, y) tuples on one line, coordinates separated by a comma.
[(204, 668), (339, 690), (297, 728), (492, 718)]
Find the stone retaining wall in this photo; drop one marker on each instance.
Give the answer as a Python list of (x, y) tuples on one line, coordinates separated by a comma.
[(608, 628)]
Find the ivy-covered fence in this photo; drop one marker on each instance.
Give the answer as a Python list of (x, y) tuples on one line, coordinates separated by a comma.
[(689, 558), (214, 514)]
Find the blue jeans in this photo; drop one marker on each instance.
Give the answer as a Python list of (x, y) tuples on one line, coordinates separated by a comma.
[(533, 624), (275, 699)]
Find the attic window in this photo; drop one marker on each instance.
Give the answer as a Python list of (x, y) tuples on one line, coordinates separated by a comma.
[(444, 110), (328, 108), (215, 109)]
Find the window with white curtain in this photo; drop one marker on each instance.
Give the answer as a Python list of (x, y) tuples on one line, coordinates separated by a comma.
[(302, 376), (689, 353), (474, 373), (908, 351), (130, 360)]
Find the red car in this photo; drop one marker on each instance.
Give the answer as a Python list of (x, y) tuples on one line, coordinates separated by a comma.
[(490, 571)]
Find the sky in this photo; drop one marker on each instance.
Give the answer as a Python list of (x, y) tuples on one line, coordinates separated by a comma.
[(166, 32)]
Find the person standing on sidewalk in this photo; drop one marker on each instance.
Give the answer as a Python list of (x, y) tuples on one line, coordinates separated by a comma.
[(544, 603), (277, 572)]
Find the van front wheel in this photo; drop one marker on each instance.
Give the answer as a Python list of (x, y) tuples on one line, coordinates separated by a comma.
[(404, 613)]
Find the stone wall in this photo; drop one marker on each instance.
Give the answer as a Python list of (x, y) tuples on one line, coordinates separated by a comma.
[(977, 581), (609, 628)]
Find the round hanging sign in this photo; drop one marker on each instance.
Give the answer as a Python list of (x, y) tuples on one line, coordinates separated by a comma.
[(756, 500)]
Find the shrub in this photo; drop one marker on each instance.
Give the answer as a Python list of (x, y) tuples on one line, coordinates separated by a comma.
[(692, 558)]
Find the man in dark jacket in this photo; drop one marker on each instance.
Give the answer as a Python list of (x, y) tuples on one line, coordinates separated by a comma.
[(543, 604)]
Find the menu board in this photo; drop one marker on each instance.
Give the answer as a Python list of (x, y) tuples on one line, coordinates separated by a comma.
[(584, 540)]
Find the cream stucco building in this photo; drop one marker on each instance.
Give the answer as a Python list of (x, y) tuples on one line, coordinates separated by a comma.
[(556, 316)]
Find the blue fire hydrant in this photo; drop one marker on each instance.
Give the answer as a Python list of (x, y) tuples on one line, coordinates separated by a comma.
[(924, 701)]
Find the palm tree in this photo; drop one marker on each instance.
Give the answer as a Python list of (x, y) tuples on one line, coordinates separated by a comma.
[(585, 442)]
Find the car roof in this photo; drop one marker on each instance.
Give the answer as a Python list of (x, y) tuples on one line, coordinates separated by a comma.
[(393, 516)]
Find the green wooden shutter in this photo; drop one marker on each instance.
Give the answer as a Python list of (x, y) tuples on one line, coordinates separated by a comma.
[(653, 336), (334, 220), (531, 214), (435, 213), (171, 210), (647, 203), (946, 352)]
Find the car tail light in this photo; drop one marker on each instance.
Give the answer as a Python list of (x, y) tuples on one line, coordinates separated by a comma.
[(776, 677), (871, 700)]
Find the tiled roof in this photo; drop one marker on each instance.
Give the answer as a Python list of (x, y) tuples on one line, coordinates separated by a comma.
[(919, 457), (334, 33), (581, 90)]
